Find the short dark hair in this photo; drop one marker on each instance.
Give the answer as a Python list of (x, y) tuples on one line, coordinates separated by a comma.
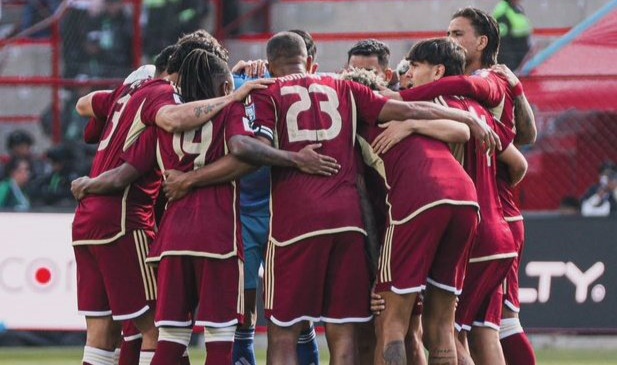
[(484, 25), (13, 164), (371, 47), (199, 39), (19, 137), (285, 45), (439, 51), (200, 74), (161, 59), (311, 48)]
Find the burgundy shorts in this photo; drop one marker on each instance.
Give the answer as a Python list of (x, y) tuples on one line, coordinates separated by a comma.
[(324, 277), (130, 332), (199, 291), (511, 285), (432, 247), (113, 279), (481, 288)]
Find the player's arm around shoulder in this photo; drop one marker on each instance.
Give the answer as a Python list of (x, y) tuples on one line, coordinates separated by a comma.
[(516, 162), (84, 104), (188, 116), (109, 182)]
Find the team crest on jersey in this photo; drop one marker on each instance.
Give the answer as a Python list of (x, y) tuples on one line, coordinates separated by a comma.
[(178, 99), (249, 111)]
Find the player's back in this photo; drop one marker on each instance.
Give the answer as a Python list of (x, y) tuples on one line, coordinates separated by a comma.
[(494, 236), (419, 172), (101, 218), (206, 220), (307, 109)]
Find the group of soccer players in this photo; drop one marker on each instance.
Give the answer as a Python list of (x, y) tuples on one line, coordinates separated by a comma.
[(352, 173)]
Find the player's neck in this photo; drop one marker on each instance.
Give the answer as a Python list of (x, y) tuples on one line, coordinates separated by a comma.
[(473, 66), (291, 70)]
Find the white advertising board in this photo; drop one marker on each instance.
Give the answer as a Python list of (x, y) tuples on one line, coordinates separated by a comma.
[(37, 272)]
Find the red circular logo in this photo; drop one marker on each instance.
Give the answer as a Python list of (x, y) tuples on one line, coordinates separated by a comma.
[(43, 275)]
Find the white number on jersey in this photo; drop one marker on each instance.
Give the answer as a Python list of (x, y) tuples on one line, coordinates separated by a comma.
[(184, 144), (329, 107), (123, 101)]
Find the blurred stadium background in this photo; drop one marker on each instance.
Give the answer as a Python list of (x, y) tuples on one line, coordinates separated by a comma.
[(52, 52)]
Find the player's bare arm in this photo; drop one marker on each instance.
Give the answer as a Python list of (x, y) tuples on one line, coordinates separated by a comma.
[(516, 162), (108, 182), (524, 119), (441, 129), (177, 184), (395, 110), (260, 152), (255, 68), (84, 104), (188, 116)]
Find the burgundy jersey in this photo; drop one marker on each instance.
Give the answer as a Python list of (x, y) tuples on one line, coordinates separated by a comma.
[(419, 173), (494, 92), (494, 238), (205, 222), (298, 110), (101, 219)]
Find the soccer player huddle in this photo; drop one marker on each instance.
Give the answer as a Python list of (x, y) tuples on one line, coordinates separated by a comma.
[(385, 214)]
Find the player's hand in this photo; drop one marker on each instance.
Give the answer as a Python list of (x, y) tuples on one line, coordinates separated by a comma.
[(251, 69), (311, 162), (176, 185), (487, 138), (378, 304), (504, 71), (384, 91), (394, 133), (241, 93), (78, 187)]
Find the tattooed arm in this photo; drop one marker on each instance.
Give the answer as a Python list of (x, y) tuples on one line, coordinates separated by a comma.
[(185, 117), (525, 122)]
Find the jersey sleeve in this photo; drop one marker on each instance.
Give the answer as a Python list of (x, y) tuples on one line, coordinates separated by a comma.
[(506, 135), (158, 97), (236, 122), (260, 112), (94, 130), (368, 103), (141, 154), (102, 103), (477, 87)]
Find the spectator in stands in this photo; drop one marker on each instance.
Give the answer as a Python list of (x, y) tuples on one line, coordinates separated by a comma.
[(601, 199), (515, 32), (54, 188), (19, 144), (109, 40), (12, 189), (569, 205), (35, 11)]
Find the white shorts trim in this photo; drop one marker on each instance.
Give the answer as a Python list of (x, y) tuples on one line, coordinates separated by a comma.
[(95, 314), (173, 323), (216, 324), (511, 306), (462, 327), (323, 319), (401, 291), (486, 324), (124, 317), (346, 320), (493, 257), (445, 287), (132, 338), (514, 219)]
